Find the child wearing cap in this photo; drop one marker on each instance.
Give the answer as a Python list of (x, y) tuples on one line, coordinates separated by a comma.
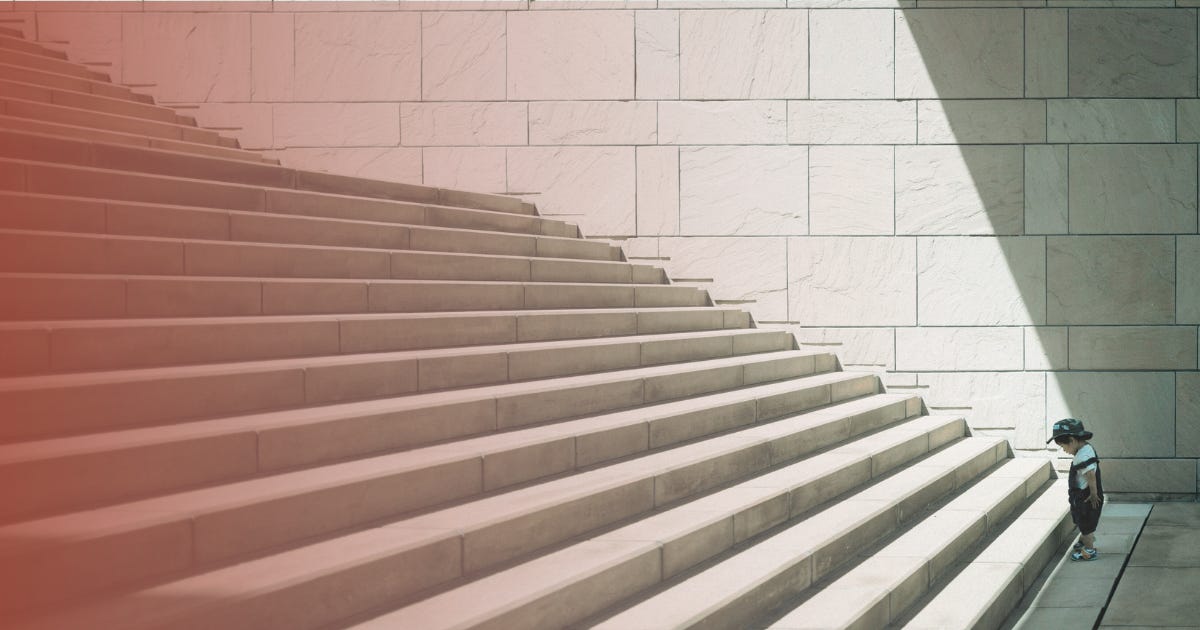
[(1084, 489)]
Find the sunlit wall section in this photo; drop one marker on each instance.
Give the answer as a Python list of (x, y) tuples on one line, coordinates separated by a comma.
[(993, 203)]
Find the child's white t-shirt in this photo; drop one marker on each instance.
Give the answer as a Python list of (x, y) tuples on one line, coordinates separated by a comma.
[(1082, 455)]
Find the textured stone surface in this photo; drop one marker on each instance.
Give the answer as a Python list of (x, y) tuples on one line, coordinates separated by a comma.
[(1188, 291), (851, 190), (251, 123), (273, 56), (1045, 53), (570, 55), (1152, 475), (1110, 280), (959, 190), (336, 125), (1132, 188), (468, 168), (1187, 120), (657, 35), (851, 122), (993, 400), (740, 269), (593, 122), (462, 56), (852, 54), (1046, 189), (1132, 53), (189, 58), (1046, 348), (998, 121), (743, 190), (1133, 348), (959, 349), (721, 54), (591, 186), (388, 163), (1187, 408), (959, 53), (442, 124), (358, 57), (856, 348), (1110, 120), (1132, 414), (852, 281), (657, 190), (95, 37), (722, 122), (982, 281)]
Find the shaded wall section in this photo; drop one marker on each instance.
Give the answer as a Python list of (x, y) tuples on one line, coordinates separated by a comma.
[(993, 203)]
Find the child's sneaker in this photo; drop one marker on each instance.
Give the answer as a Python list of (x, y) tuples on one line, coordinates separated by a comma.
[(1085, 554)]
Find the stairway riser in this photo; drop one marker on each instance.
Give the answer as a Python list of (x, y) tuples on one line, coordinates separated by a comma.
[(49, 64), (92, 102), (109, 122), (31, 126), (67, 82), (21, 45)]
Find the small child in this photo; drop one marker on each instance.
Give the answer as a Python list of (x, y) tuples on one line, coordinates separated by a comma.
[(1084, 488)]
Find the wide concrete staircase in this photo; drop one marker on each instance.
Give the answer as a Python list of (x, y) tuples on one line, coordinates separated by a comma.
[(237, 395)]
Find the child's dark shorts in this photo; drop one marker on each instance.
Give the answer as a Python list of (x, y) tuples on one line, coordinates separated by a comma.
[(1084, 515)]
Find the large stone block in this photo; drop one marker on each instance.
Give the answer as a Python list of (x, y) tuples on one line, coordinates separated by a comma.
[(191, 57), (982, 281), (388, 163), (1132, 348), (1110, 120), (1045, 53), (1187, 408), (960, 53), (358, 57), (856, 348), (449, 124), (657, 42), (722, 122), (1001, 121), (721, 54), (1132, 414), (1138, 53), (1046, 347), (1132, 188), (1046, 189), (1187, 120), (851, 190), (853, 54), (852, 122), (336, 125), (251, 123), (570, 55), (1188, 270), (273, 56), (993, 400), (743, 190), (1157, 476), (593, 186), (959, 189), (741, 269), (657, 191), (593, 122), (959, 349), (1110, 280), (852, 281), (92, 37), (463, 56), (467, 168)]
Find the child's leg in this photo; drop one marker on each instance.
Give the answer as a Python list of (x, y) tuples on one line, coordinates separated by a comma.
[(1088, 540)]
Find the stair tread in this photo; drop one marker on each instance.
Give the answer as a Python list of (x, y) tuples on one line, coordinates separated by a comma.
[(17, 107), (30, 46), (119, 138), (167, 114), (32, 60)]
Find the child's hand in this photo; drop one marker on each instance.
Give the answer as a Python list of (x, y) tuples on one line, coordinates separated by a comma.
[(1094, 500)]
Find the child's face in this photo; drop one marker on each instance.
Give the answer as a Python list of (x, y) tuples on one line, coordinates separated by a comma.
[(1069, 444)]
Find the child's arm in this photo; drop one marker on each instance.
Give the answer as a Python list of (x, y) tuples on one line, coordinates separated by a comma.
[(1094, 498)]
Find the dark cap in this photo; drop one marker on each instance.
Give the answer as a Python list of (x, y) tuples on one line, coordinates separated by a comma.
[(1069, 427)]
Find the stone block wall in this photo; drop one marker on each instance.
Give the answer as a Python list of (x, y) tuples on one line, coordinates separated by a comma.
[(992, 202)]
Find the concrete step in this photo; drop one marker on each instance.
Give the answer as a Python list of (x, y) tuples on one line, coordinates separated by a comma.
[(266, 388), (82, 100), (22, 45), (28, 125), (886, 581), (545, 592), (221, 450), (36, 61), (34, 110), (372, 227), (735, 591), (25, 74), (76, 181), (238, 518), (987, 587)]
